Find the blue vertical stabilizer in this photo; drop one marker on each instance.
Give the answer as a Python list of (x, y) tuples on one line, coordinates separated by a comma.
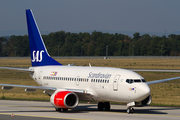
[(39, 54)]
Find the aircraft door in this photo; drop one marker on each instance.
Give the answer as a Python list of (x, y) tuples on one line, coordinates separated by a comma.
[(115, 82), (77, 80)]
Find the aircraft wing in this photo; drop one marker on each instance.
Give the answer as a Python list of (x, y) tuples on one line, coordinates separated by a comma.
[(11, 86), (18, 69), (163, 80), (82, 94), (154, 70)]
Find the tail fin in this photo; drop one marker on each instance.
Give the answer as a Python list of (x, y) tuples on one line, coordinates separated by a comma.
[(39, 54)]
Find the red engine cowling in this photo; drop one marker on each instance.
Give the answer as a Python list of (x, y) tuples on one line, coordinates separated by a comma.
[(64, 99)]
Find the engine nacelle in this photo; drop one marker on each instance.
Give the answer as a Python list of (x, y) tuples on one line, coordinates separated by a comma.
[(145, 102), (64, 99)]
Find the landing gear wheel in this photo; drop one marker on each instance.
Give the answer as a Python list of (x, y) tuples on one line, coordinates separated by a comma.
[(64, 109), (130, 110), (58, 109), (107, 106), (100, 106)]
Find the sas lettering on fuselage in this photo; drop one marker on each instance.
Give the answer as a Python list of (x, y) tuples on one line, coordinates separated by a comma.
[(99, 75)]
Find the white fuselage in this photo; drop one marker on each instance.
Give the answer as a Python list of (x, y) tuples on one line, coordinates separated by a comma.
[(106, 84)]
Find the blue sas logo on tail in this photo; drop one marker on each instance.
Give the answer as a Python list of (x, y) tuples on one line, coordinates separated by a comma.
[(37, 56)]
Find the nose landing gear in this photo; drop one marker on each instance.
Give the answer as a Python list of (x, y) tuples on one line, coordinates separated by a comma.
[(130, 110)]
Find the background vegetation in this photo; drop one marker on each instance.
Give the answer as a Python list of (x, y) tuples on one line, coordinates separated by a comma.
[(85, 44)]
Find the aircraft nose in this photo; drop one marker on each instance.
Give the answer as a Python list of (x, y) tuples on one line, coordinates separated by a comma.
[(144, 90)]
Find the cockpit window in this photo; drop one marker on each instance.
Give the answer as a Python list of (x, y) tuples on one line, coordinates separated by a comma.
[(143, 80), (135, 80), (129, 81)]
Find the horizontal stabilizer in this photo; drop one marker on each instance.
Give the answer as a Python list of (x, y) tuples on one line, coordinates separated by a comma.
[(18, 69)]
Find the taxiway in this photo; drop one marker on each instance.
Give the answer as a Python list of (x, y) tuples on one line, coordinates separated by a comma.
[(27, 110)]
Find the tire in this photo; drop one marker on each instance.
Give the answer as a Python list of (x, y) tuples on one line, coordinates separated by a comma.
[(132, 110), (100, 106), (107, 106), (64, 109), (128, 111), (58, 109)]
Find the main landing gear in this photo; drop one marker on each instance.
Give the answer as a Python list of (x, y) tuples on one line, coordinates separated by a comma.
[(104, 106), (130, 110), (61, 109)]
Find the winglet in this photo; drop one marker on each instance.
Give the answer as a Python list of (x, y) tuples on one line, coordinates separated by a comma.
[(39, 54)]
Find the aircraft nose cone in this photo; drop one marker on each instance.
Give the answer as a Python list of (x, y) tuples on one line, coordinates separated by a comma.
[(144, 90)]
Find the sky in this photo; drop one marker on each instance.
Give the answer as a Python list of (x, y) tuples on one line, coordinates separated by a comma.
[(121, 16)]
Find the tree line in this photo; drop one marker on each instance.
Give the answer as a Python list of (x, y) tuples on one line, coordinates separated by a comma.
[(63, 43)]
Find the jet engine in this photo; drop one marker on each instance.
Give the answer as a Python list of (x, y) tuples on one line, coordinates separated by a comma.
[(145, 102), (64, 99)]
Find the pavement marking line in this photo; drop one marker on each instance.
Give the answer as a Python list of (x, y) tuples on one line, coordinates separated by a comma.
[(146, 114), (43, 116), (161, 115), (27, 106)]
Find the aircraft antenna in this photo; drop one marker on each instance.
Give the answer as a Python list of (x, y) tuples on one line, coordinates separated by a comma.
[(89, 64)]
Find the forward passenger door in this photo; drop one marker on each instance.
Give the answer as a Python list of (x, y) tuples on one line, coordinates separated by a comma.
[(115, 82)]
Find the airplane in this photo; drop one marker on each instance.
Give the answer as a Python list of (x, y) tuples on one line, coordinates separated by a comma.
[(67, 85)]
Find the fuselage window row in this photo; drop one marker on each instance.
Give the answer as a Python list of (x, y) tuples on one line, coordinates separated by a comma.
[(75, 79), (99, 80), (66, 79)]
